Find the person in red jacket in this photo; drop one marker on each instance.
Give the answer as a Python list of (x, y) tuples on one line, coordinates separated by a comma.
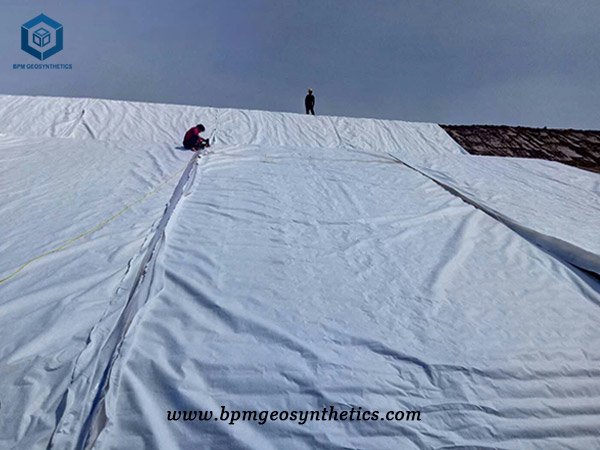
[(193, 140)]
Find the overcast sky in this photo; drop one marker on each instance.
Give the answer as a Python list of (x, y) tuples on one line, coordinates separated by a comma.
[(504, 62)]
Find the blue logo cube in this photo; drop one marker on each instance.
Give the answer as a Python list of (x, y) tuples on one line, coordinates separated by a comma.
[(36, 37), (41, 37)]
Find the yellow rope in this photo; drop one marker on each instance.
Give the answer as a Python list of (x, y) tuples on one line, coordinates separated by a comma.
[(91, 230)]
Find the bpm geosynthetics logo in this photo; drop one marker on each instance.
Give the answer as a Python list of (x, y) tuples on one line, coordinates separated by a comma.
[(42, 37)]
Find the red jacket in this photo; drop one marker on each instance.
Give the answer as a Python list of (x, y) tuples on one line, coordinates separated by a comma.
[(191, 137)]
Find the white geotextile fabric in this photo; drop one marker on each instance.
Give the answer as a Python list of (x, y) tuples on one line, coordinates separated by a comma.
[(303, 266), (554, 205), (81, 213)]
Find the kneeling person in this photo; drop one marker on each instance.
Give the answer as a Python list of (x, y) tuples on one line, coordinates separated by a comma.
[(193, 140)]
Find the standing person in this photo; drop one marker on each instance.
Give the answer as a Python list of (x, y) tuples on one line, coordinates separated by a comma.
[(309, 102), (193, 140)]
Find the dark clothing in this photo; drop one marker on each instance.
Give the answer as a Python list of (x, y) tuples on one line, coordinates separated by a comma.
[(309, 103), (193, 140)]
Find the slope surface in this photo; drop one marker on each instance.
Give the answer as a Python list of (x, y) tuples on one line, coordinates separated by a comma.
[(562, 225), (298, 278), (75, 218), (309, 262), (578, 148), (550, 204)]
